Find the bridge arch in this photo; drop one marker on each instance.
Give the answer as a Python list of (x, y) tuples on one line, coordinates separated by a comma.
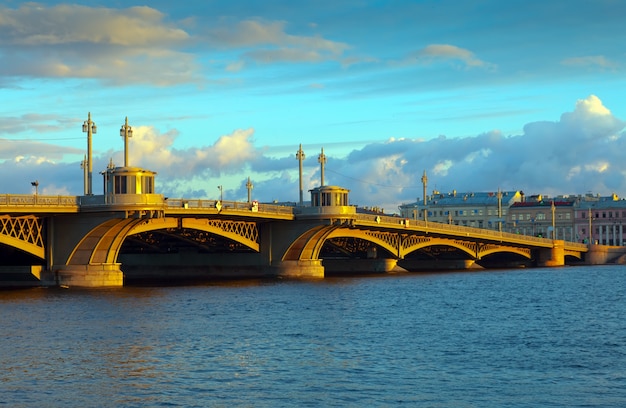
[(415, 242), (499, 249), (243, 232), (399, 244), (103, 243)]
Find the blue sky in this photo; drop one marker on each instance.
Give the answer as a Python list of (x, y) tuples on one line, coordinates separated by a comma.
[(480, 94)]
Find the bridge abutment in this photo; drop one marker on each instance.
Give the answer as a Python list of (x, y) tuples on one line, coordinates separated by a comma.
[(361, 266), (300, 269)]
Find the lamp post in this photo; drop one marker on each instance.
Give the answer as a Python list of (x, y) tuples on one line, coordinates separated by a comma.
[(590, 233), (300, 156), (499, 210), (90, 128), (83, 165), (221, 188), (126, 132), (553, 208), (322, 160), (425, 184), (36, 185), (249, 188)]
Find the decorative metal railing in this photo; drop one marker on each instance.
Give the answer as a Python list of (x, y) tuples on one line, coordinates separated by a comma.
[(30, 200)]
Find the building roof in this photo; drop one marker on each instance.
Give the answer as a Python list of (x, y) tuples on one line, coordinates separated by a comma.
[(543, 203), (604, 203), (455, 199)]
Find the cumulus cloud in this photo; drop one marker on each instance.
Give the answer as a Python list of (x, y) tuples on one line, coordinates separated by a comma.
[(582, 151), (149, 148)]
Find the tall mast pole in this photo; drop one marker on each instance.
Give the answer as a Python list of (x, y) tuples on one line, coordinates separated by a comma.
[(425, 184), (249, 187), (300, 156), (499, 210), (322, 160), (83, 165), (126, 132), (89, 127)]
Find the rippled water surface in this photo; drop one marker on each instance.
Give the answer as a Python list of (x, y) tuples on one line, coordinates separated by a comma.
[(515, 338)]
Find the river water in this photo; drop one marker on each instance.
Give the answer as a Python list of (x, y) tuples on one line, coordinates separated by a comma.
[(515, 338)]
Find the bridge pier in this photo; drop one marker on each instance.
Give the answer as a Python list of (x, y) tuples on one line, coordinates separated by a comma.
[(554, 256), (300, 269), (85, 276), (361, 266)]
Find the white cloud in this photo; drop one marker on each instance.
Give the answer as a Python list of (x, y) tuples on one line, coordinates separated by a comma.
[(150, 149), (122, 46), (592, 61), (572, 155), (447, 52), (268, 42)]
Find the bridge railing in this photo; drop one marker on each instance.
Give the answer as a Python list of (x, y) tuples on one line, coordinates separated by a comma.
[(199, 204), (32, 200)]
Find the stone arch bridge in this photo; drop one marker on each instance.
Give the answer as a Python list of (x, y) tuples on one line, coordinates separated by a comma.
[(95, 241)]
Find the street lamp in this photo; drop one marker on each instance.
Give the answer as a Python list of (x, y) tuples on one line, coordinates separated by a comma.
[(126, 132), (249, 187), (300, 156), (90, 128), (321, 159), (553, 221), (36, 185), (425, 184), (83, 165), (221, 188), (590, 233)]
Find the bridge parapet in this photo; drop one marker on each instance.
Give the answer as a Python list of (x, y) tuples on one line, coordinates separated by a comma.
[(344, 211), (30, 203), (184, 205), (121, 199)]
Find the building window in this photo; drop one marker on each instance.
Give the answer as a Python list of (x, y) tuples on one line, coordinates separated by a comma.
[(120, 185)]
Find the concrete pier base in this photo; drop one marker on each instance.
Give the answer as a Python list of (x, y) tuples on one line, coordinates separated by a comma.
[(86, 276), (437, 265), (301, 269), (361, 266)]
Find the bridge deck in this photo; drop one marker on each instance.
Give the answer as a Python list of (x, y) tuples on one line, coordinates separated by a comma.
[(41, 205)]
